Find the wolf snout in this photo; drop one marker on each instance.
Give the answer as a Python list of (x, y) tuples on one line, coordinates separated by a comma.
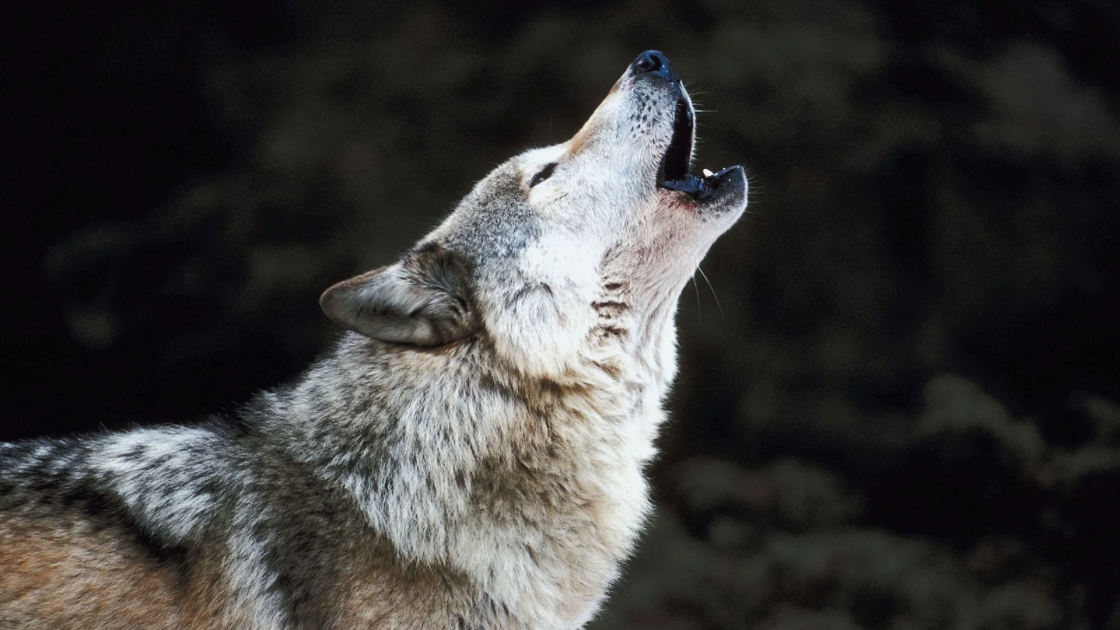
[(654, 63)]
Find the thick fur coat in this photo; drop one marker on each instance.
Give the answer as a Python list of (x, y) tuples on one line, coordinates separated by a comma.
[(468, 456)]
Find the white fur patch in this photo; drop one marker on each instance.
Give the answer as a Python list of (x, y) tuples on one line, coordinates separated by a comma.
[(156, 473)]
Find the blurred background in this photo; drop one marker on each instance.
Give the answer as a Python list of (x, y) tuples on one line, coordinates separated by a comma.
[(899, 403)]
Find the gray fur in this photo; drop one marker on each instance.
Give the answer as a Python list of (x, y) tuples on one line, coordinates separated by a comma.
[(469, 457)]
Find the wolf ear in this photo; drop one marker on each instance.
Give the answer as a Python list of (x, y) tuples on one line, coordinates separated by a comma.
[(423, 300)]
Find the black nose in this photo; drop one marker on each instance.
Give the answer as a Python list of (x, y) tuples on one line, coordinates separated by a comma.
[(653, 62)]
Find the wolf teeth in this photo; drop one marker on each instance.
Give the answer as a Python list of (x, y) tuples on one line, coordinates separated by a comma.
[(707, 173)]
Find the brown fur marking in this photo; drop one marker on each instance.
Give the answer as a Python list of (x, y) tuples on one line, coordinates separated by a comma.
[(375, 591), (74, 576)]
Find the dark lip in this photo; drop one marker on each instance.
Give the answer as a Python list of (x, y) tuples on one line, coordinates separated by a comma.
[(672, 172), (701, 188)]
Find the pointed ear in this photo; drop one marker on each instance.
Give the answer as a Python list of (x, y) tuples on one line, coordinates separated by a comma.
[(423, 300)]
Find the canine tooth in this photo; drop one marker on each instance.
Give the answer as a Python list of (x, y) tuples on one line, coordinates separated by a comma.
[(707, 173)]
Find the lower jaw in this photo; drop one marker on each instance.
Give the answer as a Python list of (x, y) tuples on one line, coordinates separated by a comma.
[(698, 188)]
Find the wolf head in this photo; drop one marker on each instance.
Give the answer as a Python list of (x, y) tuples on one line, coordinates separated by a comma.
[(563, 249)]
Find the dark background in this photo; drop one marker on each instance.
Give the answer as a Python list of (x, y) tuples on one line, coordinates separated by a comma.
[(901, 413)]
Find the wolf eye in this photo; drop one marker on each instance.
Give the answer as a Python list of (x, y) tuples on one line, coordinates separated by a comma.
[(545, 173)]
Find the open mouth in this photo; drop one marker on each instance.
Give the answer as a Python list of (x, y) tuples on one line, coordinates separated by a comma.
[(673, 173)]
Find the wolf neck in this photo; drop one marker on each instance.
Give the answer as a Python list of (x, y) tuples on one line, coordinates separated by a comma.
[(532, 487)]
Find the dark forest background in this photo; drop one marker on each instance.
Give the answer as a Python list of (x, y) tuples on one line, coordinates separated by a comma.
[(903, 411)]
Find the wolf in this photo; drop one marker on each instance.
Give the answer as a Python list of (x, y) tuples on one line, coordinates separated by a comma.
[(468, 456)]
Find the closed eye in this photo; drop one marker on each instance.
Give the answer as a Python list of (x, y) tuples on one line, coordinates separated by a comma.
[(545, 173)]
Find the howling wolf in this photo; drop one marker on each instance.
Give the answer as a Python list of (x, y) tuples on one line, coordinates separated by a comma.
[(469, 455)]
